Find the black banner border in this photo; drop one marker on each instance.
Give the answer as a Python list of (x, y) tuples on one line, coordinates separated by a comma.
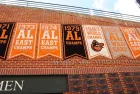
[(82, 35), (6, 52)]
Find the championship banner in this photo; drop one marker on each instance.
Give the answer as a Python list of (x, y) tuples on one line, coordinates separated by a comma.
[(133, 40), (116, 42), (73, 41), (6, 30), (49, 40), (95, 41), (138, 29), (24, 40)]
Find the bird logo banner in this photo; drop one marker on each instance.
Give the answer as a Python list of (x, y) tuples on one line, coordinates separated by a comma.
[(95, 41)]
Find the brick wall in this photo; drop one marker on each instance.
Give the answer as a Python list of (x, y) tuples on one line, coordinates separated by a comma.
[(23, 65), (105, 83)]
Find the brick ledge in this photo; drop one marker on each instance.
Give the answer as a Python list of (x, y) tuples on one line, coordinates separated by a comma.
[(31, 71)]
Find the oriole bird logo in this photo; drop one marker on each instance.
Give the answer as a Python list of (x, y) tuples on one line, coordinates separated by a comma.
[(96, 46)]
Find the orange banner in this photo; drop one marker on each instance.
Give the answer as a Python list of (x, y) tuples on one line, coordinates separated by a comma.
[(49, 40), (24, 40), (133, 40)]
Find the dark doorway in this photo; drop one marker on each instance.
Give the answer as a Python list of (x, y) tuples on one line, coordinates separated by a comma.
[(40, 84)]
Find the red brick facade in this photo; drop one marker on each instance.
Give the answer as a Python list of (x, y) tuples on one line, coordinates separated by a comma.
[(22, 65)]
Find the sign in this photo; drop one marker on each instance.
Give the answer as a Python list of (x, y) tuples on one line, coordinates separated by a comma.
[(116, 41), (133, 40), (73, 43), (33, 84), (6, 30), (138, 29), (24, 40), (49, 40), (95, 41)]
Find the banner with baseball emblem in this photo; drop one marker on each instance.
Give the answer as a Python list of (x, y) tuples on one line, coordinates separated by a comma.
[(95, 41), (24, 40), (116, 42), (133, 40), (6, 30), (73, 41), (49, 40)]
